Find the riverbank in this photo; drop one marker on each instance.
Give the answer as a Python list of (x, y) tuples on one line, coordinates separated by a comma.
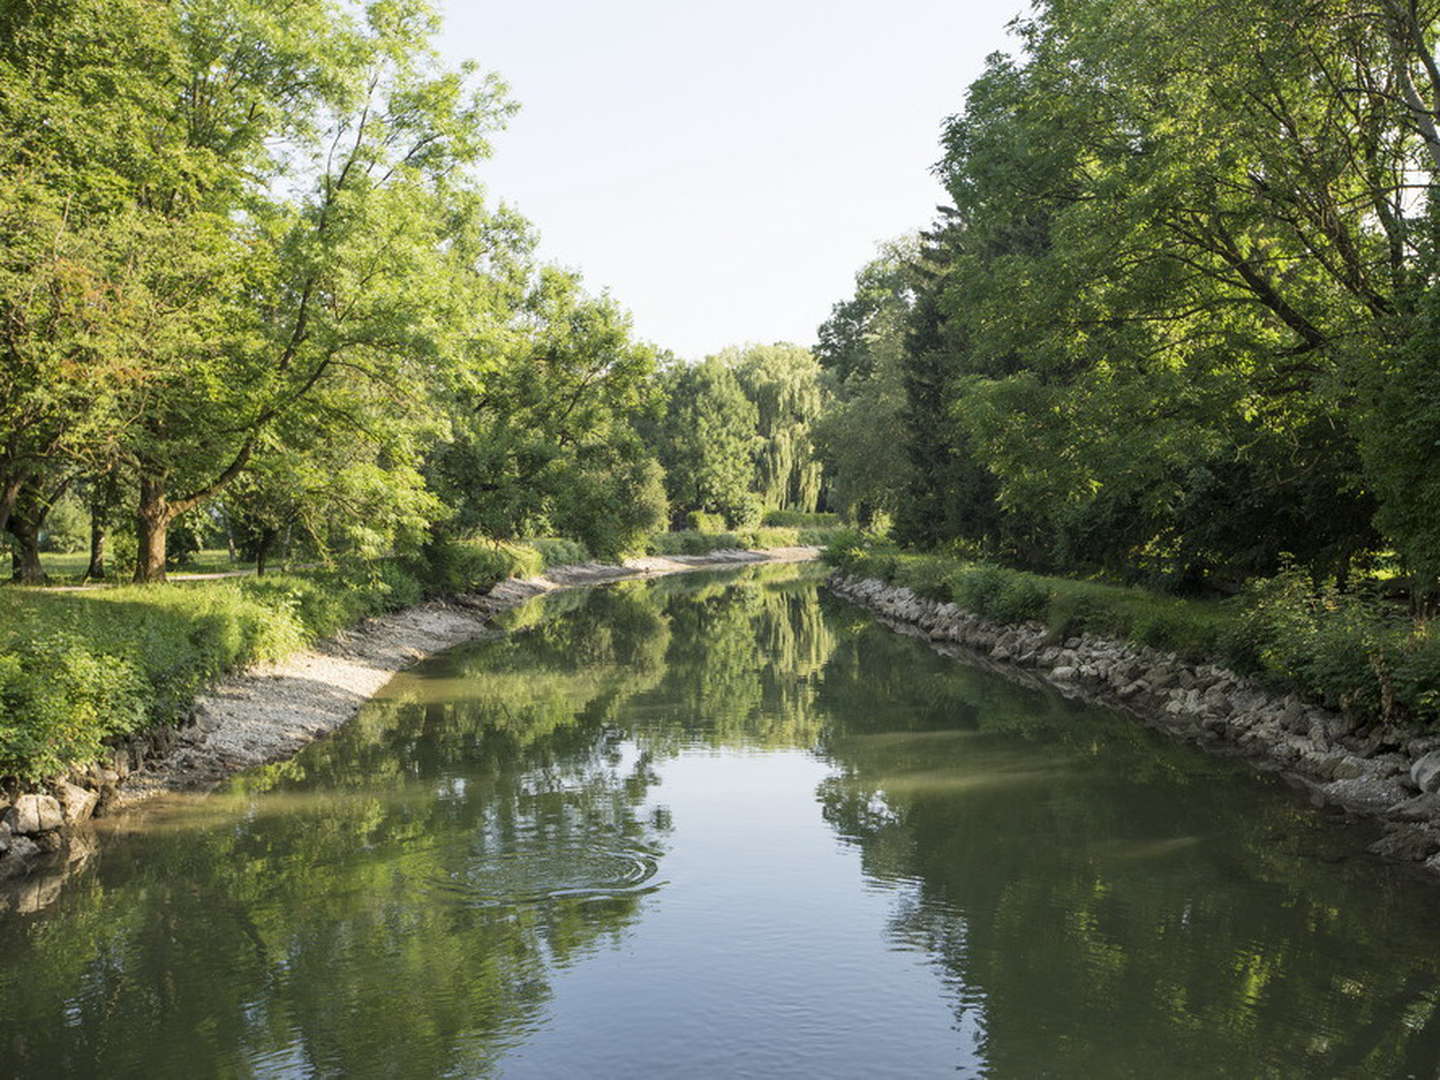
[(1380, 770), (270, 711)]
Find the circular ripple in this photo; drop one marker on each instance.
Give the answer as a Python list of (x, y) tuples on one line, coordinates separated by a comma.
[(528, 877)]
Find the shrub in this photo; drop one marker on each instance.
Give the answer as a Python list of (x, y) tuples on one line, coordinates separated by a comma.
[(79, 668), (1020, 599), (557, 551), (799, 519), (454, 567), (775, 537), (925, 576), (689, 542), (59, 702), (702, 522), (978, 588), (1354, 651)]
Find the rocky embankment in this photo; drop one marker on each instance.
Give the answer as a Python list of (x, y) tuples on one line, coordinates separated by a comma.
[(1367, 767), (269, 713)]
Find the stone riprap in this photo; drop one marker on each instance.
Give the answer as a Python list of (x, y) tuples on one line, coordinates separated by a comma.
[(1368, 767)]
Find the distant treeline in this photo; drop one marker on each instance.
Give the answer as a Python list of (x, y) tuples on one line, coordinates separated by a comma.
[(250, 287), (1179, 320)]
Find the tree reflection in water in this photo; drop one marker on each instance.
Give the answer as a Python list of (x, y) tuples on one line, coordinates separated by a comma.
[(403, 898)]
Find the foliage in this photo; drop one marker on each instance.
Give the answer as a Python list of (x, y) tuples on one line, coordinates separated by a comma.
[(614, 503), (1350, 650), (800, 519), (700, 521), (558, 551), (707, 442), (694, 542), (783, 382), (862, 348), (1194, 628)]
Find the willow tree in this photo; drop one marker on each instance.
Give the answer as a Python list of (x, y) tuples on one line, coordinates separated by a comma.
[(783, 382)]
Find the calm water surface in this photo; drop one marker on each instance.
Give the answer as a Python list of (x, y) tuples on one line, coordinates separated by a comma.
[(719, 826)]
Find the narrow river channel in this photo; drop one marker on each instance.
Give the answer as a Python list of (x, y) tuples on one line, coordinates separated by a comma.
[(725, 825)]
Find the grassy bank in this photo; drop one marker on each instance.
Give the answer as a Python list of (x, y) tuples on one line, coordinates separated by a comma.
[(1353, 651), (80, 667)]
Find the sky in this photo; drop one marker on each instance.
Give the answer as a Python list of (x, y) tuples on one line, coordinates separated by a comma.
[(724, 169)]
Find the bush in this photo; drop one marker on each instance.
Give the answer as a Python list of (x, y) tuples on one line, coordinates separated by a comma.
[(978, 588), (556, 551), (1191, 627), (1020, 599), (763, 538), (455, 567), (689, 542), (702, 522), (59, 702), (81, 667), (1354, 651), (798, 519)]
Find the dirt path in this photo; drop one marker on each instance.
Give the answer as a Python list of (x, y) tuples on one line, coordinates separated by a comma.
[(268, 713)]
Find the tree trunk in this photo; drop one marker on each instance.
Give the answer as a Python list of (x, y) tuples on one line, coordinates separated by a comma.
[(262, 549), (9, 495), (152, 522), (102, 499), (96, 570), (25, 550)]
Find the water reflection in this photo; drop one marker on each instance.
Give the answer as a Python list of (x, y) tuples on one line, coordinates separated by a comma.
[(724, 826)]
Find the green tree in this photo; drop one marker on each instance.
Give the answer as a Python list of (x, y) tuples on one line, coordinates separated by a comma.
[(545, 415), (860, 437), (783, 382), (707, 442)]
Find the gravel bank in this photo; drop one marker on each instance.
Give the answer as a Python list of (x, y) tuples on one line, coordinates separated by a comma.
[(268, 713)]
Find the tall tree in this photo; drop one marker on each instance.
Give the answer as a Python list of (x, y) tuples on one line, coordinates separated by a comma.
[(783, 382), (707, 442)]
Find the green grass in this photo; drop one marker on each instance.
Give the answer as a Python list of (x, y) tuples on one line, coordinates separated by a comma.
[(80, 667), (69, 568), (77, 668)]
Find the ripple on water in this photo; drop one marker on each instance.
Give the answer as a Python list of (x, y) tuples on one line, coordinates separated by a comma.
[(527, 876)]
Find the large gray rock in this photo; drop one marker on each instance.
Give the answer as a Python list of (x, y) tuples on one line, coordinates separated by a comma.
[(1421, 808), (34, 814), (1425, 772), (76, 803), (1364, 793)]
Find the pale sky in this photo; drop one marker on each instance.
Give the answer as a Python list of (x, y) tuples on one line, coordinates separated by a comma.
[(724, 169)]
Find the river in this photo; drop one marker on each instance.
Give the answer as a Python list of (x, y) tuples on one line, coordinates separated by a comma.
[(724, 825)]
